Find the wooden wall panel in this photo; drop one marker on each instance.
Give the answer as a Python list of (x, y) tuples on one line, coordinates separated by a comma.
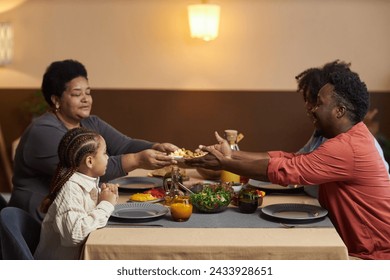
[(189, 118), (269, 120)]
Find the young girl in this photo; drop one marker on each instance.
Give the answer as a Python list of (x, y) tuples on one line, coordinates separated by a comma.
[(75, 206)]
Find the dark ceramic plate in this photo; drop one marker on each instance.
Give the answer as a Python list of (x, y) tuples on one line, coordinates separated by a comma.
[(294, 212), (137, 183), (139, 211)]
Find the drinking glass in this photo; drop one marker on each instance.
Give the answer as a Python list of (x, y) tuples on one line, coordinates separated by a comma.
[(181, 208)]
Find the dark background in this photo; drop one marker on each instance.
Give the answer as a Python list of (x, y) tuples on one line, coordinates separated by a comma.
[(268, 120)]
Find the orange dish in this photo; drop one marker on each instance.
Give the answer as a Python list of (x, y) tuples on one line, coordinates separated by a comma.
[(142, 197), (148, 195)]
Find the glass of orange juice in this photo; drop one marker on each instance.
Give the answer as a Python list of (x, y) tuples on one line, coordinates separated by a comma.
[(181, 208)]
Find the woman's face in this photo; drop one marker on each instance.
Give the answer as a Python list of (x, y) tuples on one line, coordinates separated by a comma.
[(309, 104), (75, 103)]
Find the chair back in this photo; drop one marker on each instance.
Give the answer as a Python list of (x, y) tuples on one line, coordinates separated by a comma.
[(5, 161), (3, 202), (19, 233)]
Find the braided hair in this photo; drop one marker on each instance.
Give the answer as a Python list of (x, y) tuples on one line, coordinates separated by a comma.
[(74, 146)]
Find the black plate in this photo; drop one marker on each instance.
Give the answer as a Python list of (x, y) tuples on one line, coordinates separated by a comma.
[(137, 183), (139, 211), (270, 186), (294, 212)]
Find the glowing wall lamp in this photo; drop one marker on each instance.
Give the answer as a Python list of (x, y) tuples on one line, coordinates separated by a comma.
[(6, 43), (204, 20)]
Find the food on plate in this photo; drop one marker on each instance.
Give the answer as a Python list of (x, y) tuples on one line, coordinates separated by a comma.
[(142, 197), (148, 195), (156, 192), (213, 197), (187, 153)]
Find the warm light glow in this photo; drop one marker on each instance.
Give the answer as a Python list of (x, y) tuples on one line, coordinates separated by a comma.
[(6, 5), (6, 43), (204, 21)]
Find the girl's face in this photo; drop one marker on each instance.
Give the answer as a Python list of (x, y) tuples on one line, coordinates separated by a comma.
[(100, 159)]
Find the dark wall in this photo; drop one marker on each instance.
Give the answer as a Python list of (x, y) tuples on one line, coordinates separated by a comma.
[(269, 120)]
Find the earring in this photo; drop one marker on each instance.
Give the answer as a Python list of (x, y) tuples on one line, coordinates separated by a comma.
[(57, 107)]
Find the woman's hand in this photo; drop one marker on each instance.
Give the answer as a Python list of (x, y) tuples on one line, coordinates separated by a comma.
[(152, 159), (165, 147)]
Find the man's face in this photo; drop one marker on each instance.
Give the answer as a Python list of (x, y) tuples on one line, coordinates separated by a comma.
[(325, 111)]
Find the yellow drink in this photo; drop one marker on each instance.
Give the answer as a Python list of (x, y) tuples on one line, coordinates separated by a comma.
[(181, 210)]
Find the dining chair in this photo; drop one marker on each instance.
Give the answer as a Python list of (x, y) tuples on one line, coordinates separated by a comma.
[(3, 202), (19, 233), (5, 161)]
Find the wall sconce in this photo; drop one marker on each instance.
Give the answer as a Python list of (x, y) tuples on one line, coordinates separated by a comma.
[(6, 43), (204, 20)]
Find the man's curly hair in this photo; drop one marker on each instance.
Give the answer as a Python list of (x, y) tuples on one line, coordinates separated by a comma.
[(351, 92), (313, 79)]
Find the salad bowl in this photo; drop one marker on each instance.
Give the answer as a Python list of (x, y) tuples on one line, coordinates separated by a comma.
[(213, 198)]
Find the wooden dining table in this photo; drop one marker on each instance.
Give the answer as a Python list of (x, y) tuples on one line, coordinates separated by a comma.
[(266, 240)]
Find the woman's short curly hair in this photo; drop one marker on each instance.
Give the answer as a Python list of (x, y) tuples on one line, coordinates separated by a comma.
[(58, 74), (310, 82)]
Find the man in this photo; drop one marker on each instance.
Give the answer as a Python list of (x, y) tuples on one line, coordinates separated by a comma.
[(310, 82), (354, 183)]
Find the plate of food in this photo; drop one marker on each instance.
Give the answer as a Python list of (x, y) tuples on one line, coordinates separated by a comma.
[(128, 183), (150, 196), (139, 211), (182, 154), (294, 212)]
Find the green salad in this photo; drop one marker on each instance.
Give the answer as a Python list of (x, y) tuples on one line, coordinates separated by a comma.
[(212, 198)]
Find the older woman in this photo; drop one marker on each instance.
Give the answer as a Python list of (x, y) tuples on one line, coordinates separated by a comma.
[(66, 89)]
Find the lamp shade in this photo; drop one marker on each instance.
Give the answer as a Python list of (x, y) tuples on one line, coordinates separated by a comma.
[(204, 21), (6, 43)]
